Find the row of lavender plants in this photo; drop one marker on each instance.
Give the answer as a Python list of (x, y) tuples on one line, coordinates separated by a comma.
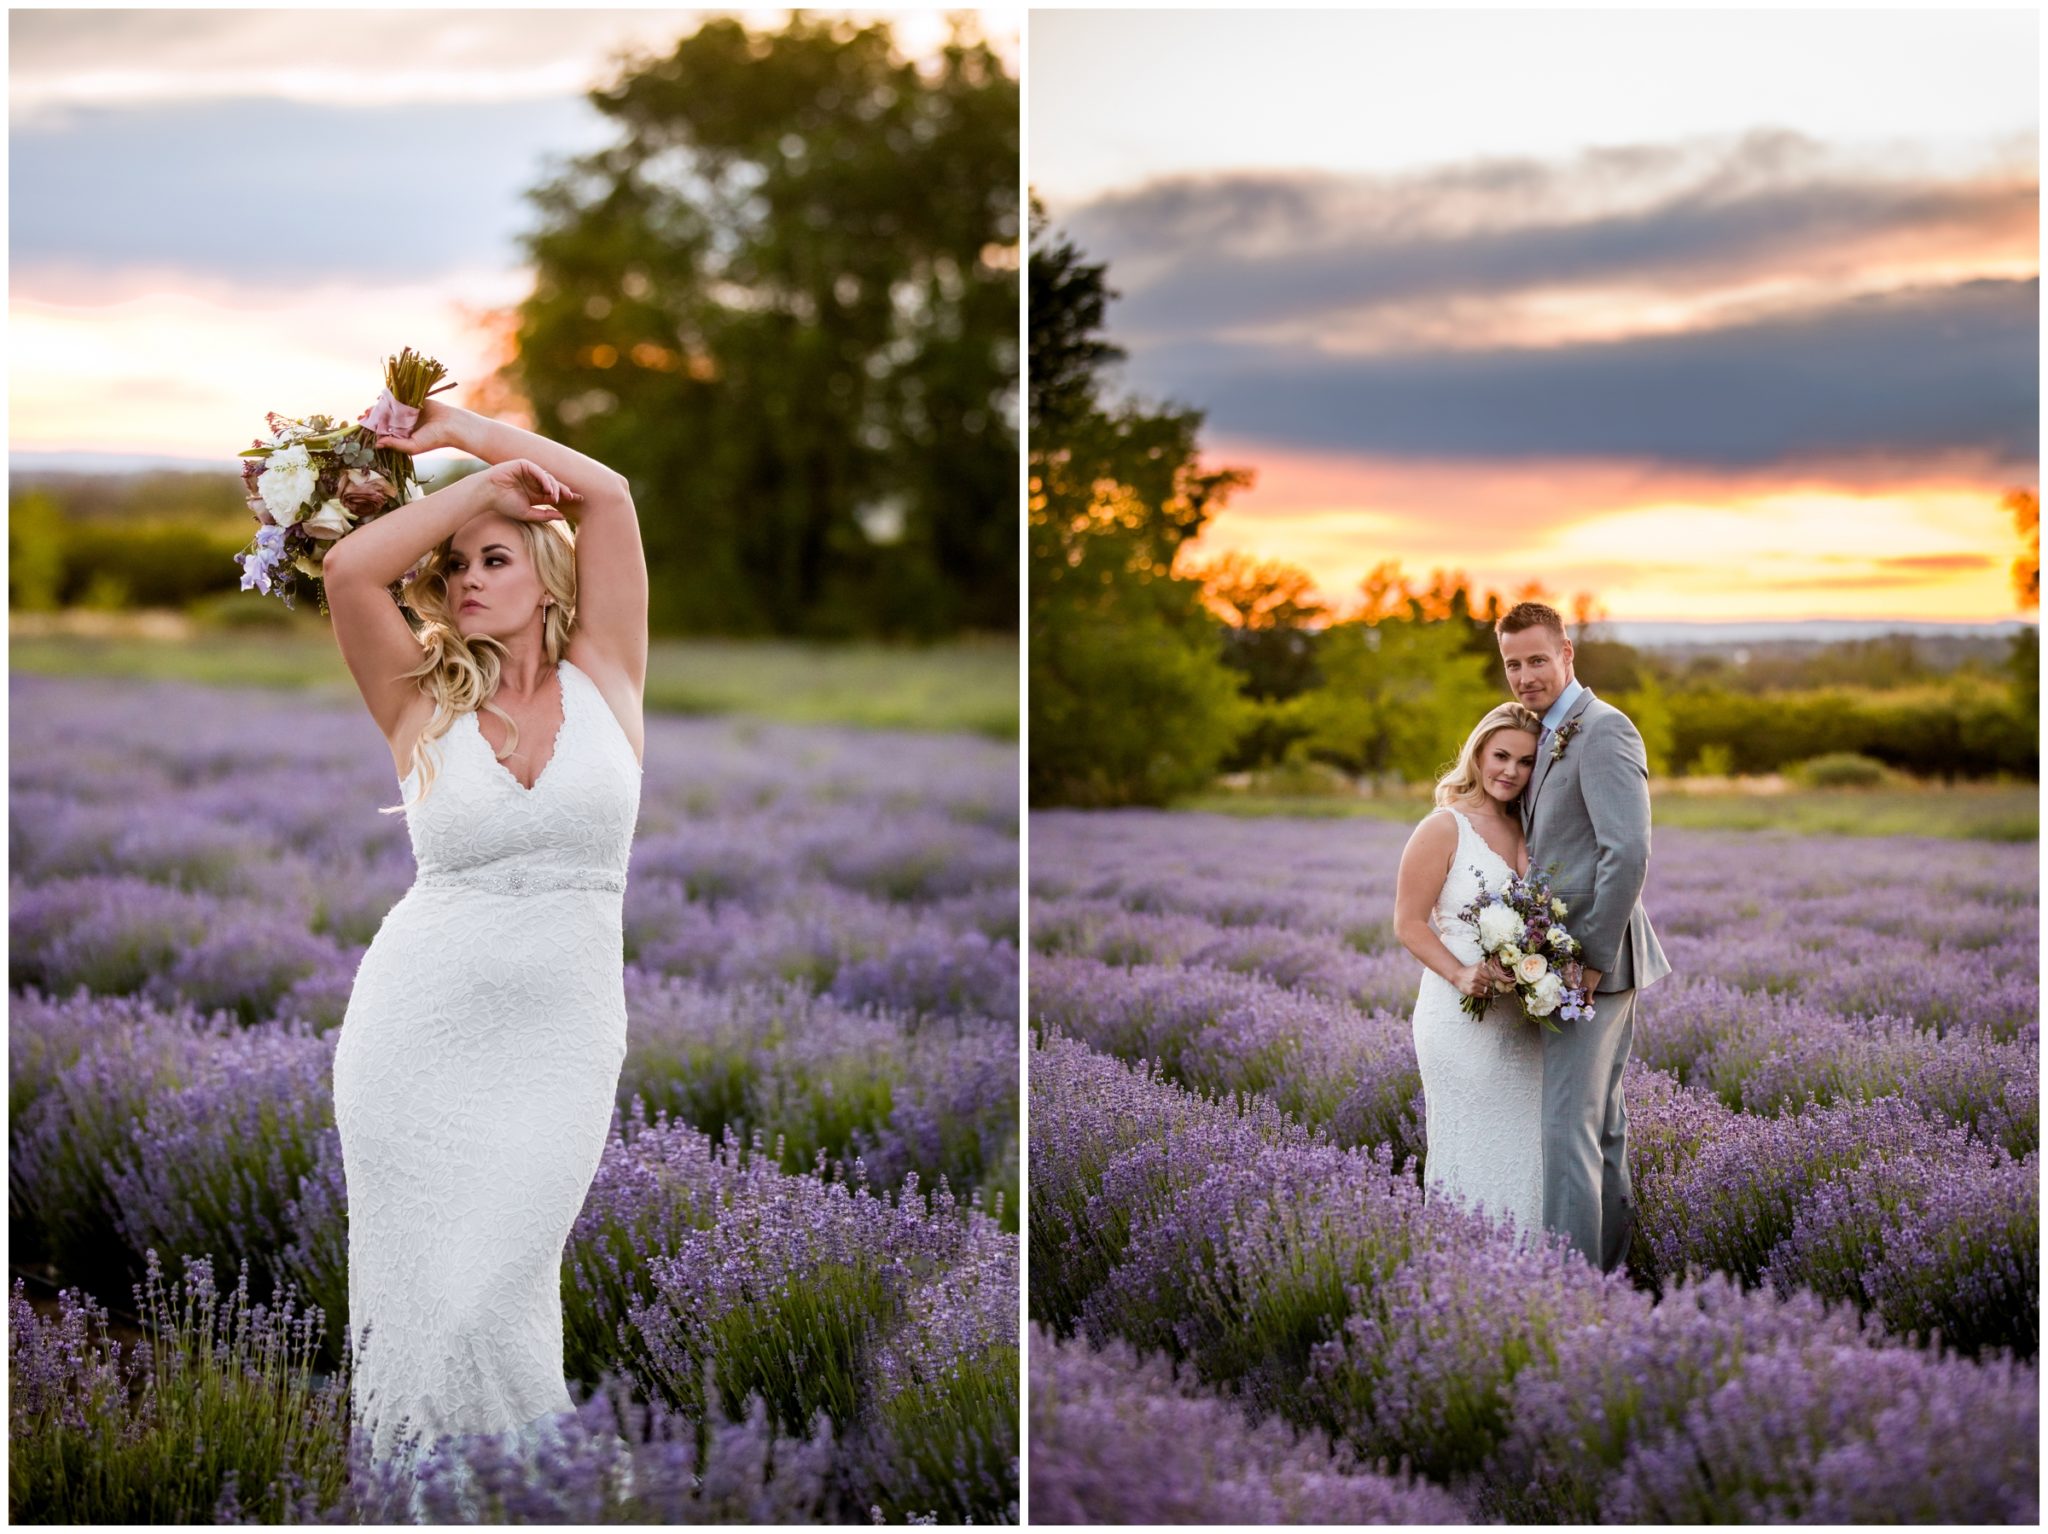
[(820, 1091), (1878, 1158), (1835, 1101), (1307, 1283), (802, 1350)]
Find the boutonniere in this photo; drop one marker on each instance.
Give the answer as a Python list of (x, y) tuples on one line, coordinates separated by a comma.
[(1565, 734)]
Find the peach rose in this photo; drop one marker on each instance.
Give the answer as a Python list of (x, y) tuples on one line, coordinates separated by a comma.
[(1532, 968), (328, 523)]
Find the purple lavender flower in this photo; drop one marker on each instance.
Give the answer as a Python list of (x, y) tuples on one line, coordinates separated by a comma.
[(197, 887), (1835, 1099), (1117, 1438)]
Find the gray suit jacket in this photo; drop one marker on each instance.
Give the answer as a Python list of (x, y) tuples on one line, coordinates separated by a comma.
[(1588, 813)]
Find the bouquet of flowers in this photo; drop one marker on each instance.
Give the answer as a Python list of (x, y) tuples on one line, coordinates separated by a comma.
[(1522, 925), (318, 478)]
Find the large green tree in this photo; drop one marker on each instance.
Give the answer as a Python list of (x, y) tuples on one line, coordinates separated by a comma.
[(1398, 696), (1131, 702), (784, 305)]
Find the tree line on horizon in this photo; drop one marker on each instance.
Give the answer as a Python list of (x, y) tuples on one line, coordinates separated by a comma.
[(783, 303), (1151, 676)]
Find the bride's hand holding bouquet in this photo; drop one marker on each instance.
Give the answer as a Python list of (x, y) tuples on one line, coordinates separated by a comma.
[(436, 424), (1481, 980)]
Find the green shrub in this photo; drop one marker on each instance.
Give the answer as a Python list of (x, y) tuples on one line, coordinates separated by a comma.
[(1126, 709), (238, 609), (35, 552), (149, 564), (1842, 769), (1300, 775), (1964, 727), (1713, 760)]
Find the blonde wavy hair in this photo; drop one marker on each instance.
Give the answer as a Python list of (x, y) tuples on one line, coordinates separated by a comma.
[(462, 674), (1462, 780)]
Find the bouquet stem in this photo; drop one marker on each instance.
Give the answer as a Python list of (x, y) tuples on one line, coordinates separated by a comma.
[(412, 379)]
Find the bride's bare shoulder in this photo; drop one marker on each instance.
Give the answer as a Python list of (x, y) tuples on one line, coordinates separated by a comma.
[(616, 686), (1438, 828)]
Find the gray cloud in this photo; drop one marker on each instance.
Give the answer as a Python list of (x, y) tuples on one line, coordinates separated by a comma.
[(1196, 256), (1926, 370), (279, 192)]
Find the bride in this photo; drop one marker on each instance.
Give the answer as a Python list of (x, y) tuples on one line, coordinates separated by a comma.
[(1482, 1079), (480, 1052)]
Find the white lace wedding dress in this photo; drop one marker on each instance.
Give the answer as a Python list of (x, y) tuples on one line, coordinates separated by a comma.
[(474, 1077), (1482, 1079)]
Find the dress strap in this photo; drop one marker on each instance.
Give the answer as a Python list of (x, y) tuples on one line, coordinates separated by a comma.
[(1467, 830)]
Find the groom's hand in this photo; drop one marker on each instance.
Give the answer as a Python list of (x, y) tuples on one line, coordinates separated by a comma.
[(1592, 982)]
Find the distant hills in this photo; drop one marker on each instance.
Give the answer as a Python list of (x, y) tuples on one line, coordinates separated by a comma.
[(26, 468), (1813, 632)]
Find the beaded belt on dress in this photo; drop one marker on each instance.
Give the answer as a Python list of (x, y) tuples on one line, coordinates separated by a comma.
[(519, 879)]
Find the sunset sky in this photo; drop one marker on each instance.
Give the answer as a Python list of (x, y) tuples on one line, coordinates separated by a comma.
[(215, 214), (1719, 316)]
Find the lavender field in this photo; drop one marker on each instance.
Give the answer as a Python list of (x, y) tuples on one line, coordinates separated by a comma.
[(1243, 1310), (792, 1292)]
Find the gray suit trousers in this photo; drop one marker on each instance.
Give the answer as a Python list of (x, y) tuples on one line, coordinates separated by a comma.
[(1586, 1189)]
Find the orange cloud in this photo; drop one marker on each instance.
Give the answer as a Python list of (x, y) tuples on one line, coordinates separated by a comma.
[(1926, 540)]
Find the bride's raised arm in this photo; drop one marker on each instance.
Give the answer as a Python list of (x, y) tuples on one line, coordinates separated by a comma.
[(611, 565)]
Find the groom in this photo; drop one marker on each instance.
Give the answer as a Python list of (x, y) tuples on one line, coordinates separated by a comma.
[(1587, 811)]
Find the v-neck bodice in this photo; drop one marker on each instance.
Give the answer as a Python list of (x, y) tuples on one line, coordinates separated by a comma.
[(1473, 864), (1472, 833), (481, 828), (476, 725)]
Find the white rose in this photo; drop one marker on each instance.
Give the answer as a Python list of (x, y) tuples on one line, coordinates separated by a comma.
[(1539, 1005), (1547, 995), (329, 522), (1532, 968), (1498, 925), (286, 484)]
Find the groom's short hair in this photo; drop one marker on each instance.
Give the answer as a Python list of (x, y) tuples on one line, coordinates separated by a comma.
[(1529, 615)]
